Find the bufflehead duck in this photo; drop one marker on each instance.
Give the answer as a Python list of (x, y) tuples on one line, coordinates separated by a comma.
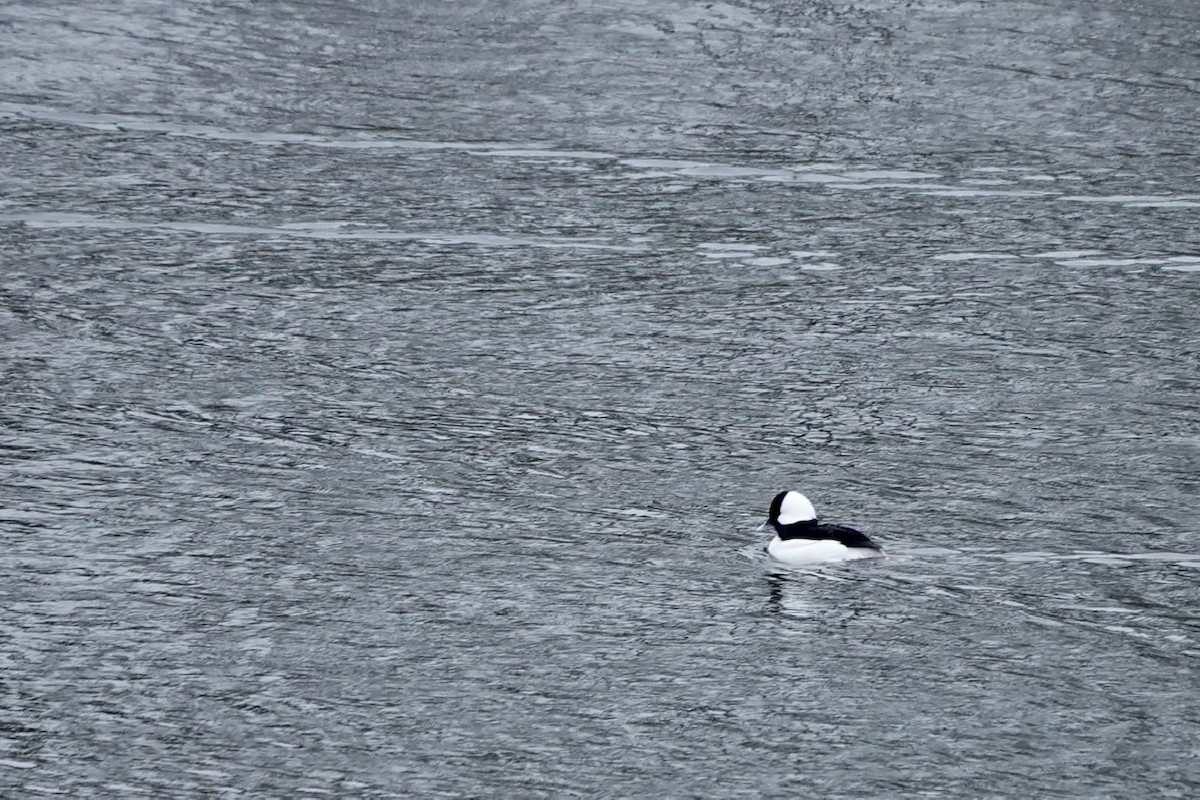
[(801, 540)]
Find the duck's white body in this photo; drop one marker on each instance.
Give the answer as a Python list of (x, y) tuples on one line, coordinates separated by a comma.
[(805, 552)]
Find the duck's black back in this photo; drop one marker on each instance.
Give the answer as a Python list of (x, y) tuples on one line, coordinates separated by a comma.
[(839, 533)]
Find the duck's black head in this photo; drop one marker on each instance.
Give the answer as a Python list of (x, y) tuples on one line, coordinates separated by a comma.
[(791, 508)]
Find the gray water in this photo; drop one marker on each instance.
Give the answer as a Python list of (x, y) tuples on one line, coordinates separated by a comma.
[(392, 391)]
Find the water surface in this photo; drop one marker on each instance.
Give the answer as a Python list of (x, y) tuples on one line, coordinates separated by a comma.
[(392, 391)]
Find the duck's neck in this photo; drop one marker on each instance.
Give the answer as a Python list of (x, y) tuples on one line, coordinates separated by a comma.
[(797, 530)]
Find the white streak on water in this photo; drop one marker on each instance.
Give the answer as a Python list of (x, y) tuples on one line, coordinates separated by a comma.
[(313, 230), (972, 256)]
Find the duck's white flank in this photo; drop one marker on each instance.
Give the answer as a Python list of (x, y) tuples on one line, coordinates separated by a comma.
[(805, 552)]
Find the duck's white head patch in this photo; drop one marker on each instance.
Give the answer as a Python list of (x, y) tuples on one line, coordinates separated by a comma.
[(795, 507)]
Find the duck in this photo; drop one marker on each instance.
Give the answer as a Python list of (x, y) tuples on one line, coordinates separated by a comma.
[(801, 541)]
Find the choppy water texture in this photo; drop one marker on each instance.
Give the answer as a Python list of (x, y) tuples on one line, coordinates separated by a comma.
[(391, 391)]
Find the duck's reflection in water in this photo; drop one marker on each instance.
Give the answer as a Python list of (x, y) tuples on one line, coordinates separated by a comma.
[(793, 593)]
